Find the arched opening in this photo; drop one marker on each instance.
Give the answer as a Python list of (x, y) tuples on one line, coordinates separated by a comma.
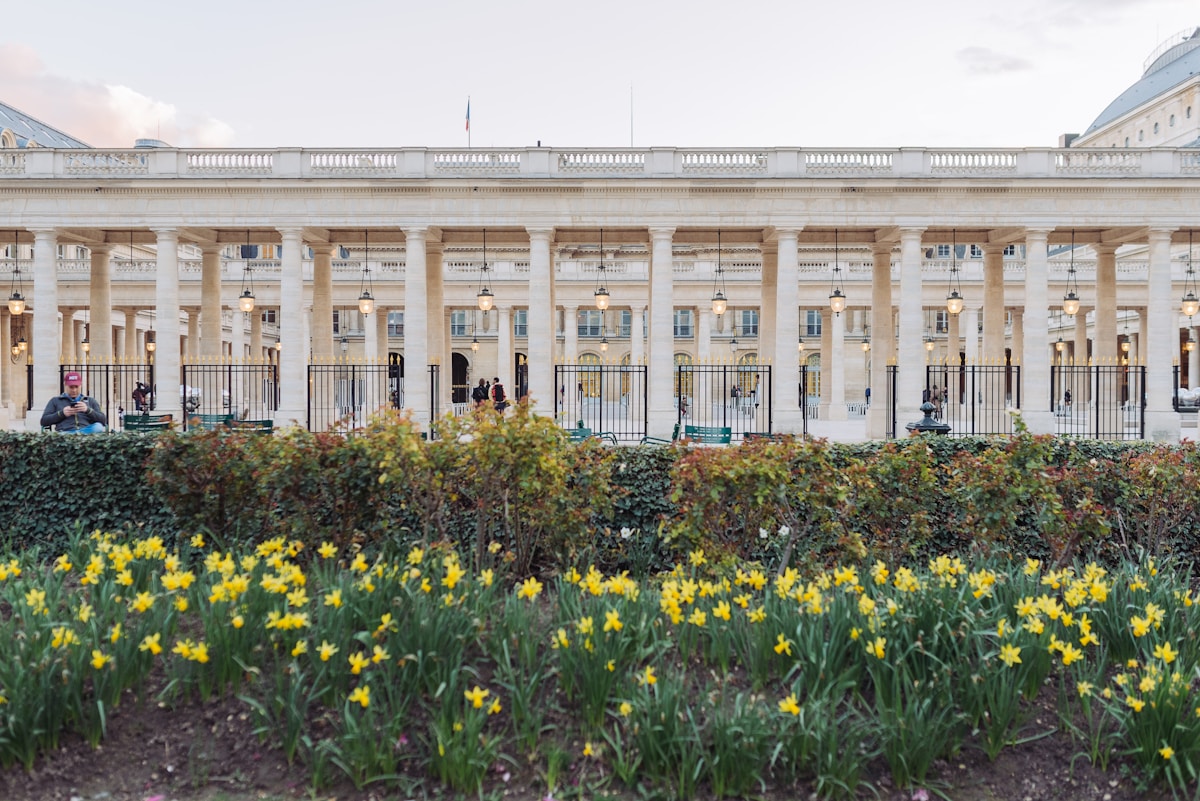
[(521, 371), (460, 375), (589, 376), (685, 380)]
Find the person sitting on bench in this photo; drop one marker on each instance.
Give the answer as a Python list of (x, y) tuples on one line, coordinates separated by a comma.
[(72, 412)]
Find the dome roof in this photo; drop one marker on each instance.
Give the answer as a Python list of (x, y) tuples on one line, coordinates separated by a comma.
[(27, 129), (1172, 63)]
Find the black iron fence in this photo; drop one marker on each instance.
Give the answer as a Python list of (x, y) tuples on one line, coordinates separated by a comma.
[(1185, 400), (737, 396), (245, 389), (119, 388), (344, 393), (1099, 401), (889, 398), (973, 399), (610, 398), (435, 387)]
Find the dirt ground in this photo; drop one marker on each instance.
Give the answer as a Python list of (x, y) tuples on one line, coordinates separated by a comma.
[(209, 752)]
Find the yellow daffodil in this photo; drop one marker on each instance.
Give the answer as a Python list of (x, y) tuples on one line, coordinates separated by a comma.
[(1010, 654), (476, 696), (626, 709), (326, 650), (357, 662), (301, 647), (327, 551), (530, 588), (151, 643), (1166, 752), (647, 676), (783, 645), (361, 695), (1165, 652), (876, 648), (789, 705), (99, 659)]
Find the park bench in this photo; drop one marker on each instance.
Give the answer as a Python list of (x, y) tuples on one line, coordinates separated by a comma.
[(660, 441), (253, 426), (580, 434), (708, 435), (208, 422), (148, 423)]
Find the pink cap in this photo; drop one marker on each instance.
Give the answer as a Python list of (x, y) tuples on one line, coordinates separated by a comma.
[(72, 378)]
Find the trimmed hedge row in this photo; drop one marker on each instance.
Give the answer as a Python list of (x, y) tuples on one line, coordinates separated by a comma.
[(516, 481)]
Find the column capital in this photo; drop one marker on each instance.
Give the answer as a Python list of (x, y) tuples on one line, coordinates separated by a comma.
[(322, 248), (883, 248), (540, 233), (783, 232), (993, 248), (1102, 249), (661, 231), (163, 233), (1160, 233), (910, 231), (211, 248), (420, 234), (101, 247), (1035, 232), (291, 233)]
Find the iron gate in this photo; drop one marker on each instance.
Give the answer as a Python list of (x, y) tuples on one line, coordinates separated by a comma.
[(1099, 401), (610, 398), (247, 390), (737, 396)]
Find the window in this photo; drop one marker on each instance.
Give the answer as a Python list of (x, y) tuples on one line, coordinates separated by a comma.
[(812, 323), (683, 383), (395, 323), (943, 251), (268, 317), (458, 323), (591, 323), (1141, 135), (683, 323), (942, 324), (625, 323), (1156, 127), (1127, 141), (521, 323), (976, 252), (337, 321), (1010, 250), (1188, 113), (1171, 121), (748, 322)]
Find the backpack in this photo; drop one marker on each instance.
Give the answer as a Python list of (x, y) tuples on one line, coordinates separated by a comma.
[(498, 393), (479, 394)]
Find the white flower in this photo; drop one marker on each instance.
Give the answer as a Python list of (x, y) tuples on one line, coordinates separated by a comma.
[(762, 533), (784, 531), (626, 533)]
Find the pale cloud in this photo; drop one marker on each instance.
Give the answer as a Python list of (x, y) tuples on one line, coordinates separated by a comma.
[(101, 115), (985, 61)]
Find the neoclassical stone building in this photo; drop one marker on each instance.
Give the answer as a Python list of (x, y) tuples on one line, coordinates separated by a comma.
[(106, 245)]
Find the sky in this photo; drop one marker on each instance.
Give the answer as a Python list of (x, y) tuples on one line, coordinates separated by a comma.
[(751, 73)]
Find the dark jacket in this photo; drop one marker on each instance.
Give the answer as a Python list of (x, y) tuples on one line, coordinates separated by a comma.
[(53, 416)]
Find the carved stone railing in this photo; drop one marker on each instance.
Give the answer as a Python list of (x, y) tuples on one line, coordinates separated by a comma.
[(575, 163)]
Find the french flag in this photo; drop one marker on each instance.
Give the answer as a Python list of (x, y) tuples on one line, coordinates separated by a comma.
[(468, 113)]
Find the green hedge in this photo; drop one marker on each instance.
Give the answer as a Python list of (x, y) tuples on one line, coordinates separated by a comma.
[(516, 484)]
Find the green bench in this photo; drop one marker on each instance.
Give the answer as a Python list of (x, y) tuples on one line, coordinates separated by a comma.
[(148, 423), (253, 426), (660, 441), (208, 422), (708, 435), (580, 434)]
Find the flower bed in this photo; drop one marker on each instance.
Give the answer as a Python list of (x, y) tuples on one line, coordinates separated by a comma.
[(718, 680)]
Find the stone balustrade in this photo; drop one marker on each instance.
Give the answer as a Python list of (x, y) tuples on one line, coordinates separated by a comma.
[(428, 163)]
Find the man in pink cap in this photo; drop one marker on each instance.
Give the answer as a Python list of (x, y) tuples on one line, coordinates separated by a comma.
[(72, 412)]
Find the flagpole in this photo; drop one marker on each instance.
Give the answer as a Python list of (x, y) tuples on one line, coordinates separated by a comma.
[(468, 122)]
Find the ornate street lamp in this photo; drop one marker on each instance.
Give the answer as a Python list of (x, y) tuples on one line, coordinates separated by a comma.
[(719, 301), (837, 298), (246, 299), (484, 297), (954, 300), (1071, 300), (16, 301), (366, 303)]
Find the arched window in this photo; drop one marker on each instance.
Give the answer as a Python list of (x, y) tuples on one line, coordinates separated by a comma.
[(747, 375), (684, 379), (1156, 127), (1171, 121), (589, 374), (812, 387), (7, 139), (1141, 135)]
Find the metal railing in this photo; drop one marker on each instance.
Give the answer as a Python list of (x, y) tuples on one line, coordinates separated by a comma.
[(609, 398), (1099, 401), (247, 390), (737, 396), (974, 399), (343, 394)]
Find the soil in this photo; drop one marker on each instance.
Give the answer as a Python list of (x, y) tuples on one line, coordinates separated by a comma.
[(209, 752)]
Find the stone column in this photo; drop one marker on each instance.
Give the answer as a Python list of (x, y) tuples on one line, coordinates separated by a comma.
[(637, 323), (322, 322), (68, 337), (193, 334), (826, 359), (704, 317), (1137, 353), (416, 327), (1034, 325), (211, 345), (993, 303), (370, 336), (971, 337), (100, 301), (663, 413), (1080, 344), (293, 358), (767, 311), (883, 339), (571, 334), (132, 354), (256, 333), (837, 369), (540, 322), (1162, 336), (1105, 349), (167, 373), (504, 353), (383, 346), (911, 351), (1193, 359), (786, 328), (438, 317)]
